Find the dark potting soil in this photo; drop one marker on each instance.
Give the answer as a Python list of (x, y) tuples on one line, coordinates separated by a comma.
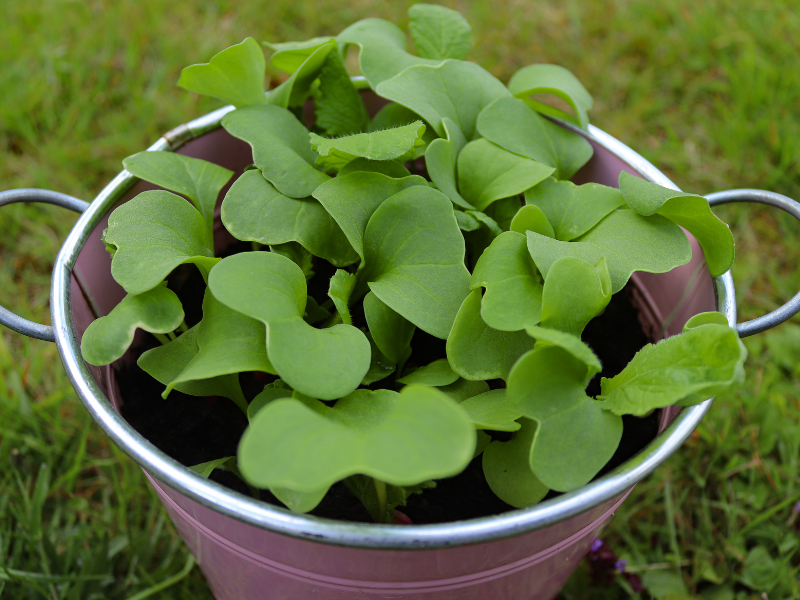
[(195, 430)]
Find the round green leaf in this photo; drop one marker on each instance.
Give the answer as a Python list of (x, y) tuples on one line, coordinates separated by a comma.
[(253, 210), (262, 285), (280, 148), (574, 293), (166, 363), (391, 331), (153, 233), (556, 80), (437, 374), (573, 210), (107, 338), (235, 75), (321, 363), (476, 351), (414, 258), (454, 89), (401, 439), (574, 437), (506, 466), (628, 241), (491, 410), (487, 172), (513, 297)]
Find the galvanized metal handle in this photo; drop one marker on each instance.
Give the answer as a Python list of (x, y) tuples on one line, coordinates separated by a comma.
[(792, 307), (9, 319)]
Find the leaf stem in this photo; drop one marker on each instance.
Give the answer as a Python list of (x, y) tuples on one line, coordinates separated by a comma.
[(162, 338), (183, 328), (171, 335), (380, 489)]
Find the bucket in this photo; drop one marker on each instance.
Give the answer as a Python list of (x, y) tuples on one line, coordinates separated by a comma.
[(253, 550)]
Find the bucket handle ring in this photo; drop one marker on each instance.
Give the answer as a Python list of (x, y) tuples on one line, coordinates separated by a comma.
[(12, 320), (792, 307)]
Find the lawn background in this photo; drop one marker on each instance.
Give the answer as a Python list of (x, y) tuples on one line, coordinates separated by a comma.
[(707, 91)]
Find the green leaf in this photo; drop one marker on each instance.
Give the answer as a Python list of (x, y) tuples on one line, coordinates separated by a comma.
[(298, 255), (454, 89), (511, 124), (352, 199), (387, 144), (321, 363), (439, 161), (296, 90), (199, 180), (506, 466), (299, 502), (463, 389), (380, 366), (107, 338), (532, 218), (395, 115), (690, 211), (476, 351), (228, 342), (414, 258), (165, 363), (153, 233), (491, 410), (383, 49), (573, 210), (280, 148), (289, 56), (337, 104), (574, 437), (262, 285), (570, 344), (265, 397), (235, 75), (401, 439), (392, 332), (205, 469), (574, 293), (436, 374), (390, 168), (487, 173), (628, 241), (513, 297), (253, 210), (684, 369), (339, 290), (556, 80), (705, 318), (439, 32)]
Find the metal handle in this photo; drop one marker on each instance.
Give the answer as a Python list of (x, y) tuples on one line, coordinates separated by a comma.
[(8, 318), (792, 307)]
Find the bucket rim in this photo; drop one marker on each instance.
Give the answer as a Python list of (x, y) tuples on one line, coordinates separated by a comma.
[(357, 535)]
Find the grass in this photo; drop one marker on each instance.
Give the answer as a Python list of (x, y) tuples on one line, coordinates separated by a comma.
[(705, 90)]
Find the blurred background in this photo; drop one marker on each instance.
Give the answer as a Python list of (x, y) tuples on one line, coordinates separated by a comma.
[(707, 91)]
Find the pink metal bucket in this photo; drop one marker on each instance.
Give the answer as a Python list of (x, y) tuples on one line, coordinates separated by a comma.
[(243, 561), (252, 550)]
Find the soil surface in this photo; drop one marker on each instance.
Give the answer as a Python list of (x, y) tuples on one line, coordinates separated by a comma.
[(195, 430)]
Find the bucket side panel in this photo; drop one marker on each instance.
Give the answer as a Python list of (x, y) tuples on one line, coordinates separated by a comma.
[(235, 573), (379, 565)]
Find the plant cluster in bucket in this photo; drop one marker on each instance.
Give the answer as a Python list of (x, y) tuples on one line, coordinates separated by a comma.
[(488, 247)]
